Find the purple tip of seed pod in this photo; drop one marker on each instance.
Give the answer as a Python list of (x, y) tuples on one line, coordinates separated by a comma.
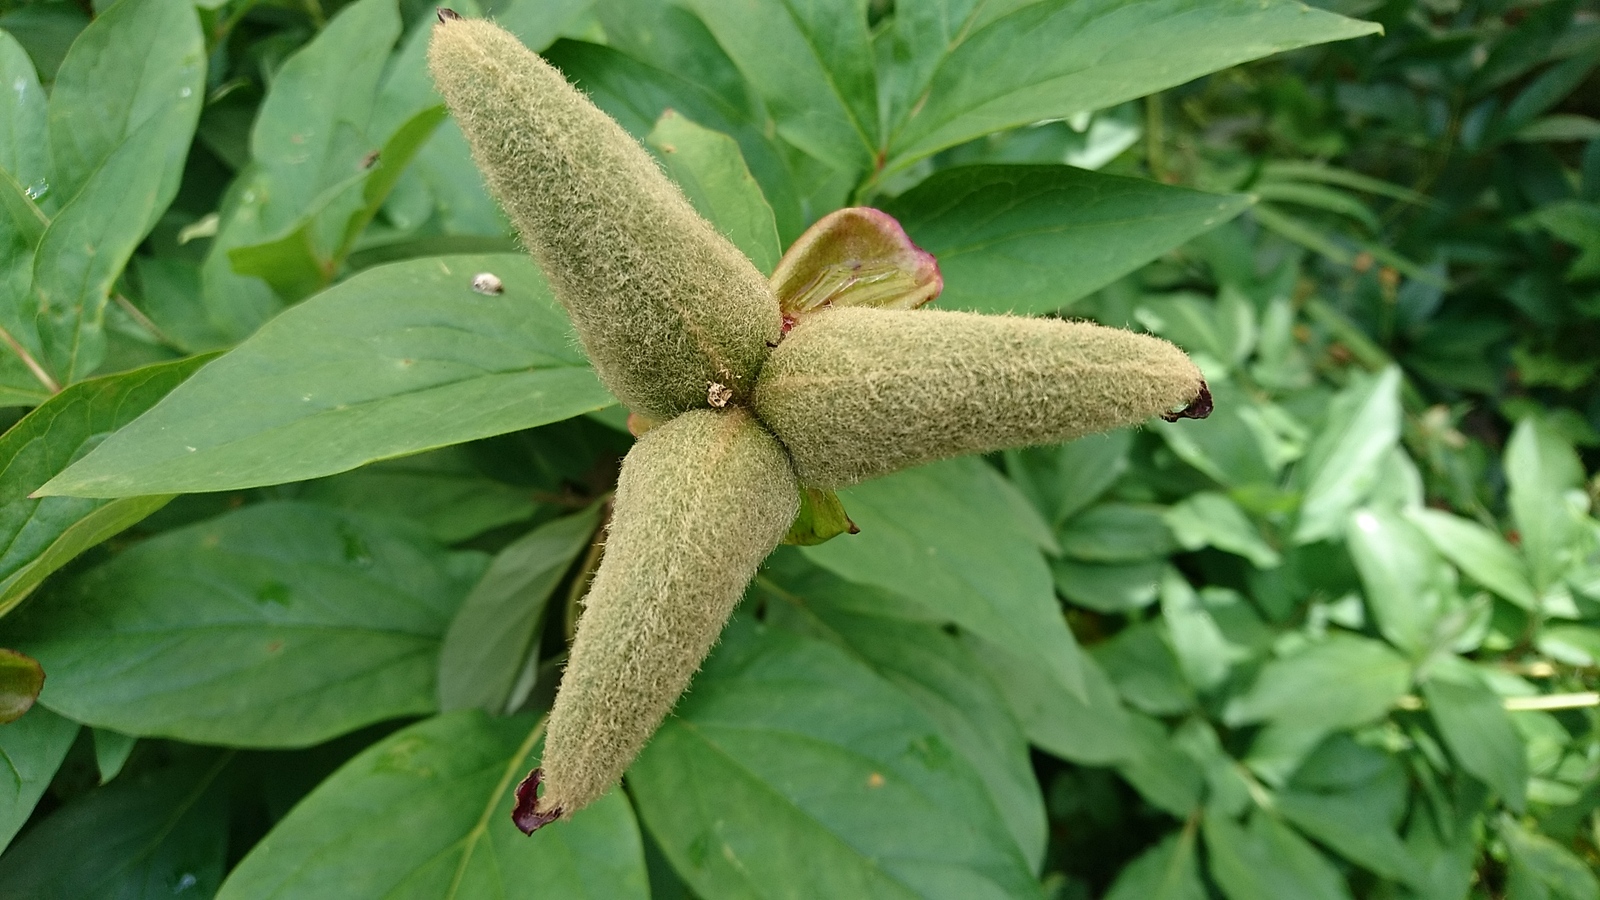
[(446, 14), (525, 812), (1198, 408)]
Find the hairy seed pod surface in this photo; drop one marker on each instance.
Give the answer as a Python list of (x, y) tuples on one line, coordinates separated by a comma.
[(855, 393), (701, 501), (664, 304)]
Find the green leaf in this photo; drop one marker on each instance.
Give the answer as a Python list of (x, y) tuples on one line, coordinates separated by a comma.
[(138, 63), (426, 812), (1341, 466), (31, 749), (20, 681), (1349, 825), (1116, 588), (1541, 468), (1204, 654), (1167, 871), (790, 763), (1480, 553), (24, 142), (940, 675), (1339, 682), (442, 490), (953, 536), (1406, 589), (1145, 670), (1480, 734), (1544, 862), (1065, 479), (170, 835), (1089, 727), (1116, 533), (43, 534), (812, 64), (1031, 239), (1051, 60), (401, 358), (1211, 519), (1242, 443), (1265, 860), (1160, 770), (709, 167), (278, 625), (493, 639), (111, 751)]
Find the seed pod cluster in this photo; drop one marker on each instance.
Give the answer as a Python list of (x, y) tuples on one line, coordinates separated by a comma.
[(682, 329)]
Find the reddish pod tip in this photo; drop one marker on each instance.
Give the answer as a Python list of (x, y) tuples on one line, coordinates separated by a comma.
[(446, 14), (1199, 408), (525, 812)]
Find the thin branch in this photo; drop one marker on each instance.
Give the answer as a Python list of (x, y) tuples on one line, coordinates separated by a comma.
[(33, 364)]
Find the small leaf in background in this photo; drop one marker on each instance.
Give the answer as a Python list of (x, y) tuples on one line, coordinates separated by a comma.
[(1116, 533), (33, 748), (937, 672), (1339, 682), (1219, 334), (1483, 555), (24, 144), (441, 490), (1401, 575), (1266, 860), (111, 751), (954, 537), (277, 625), (791, 763), (1203, 653), (709, 167), (1160, 770), (426, 812), (1350, 826), (1167, 871), (1065, 479), (21, 678), (1055, 720), (1479, 733), (401, 358), (1113, 588), (1230, 446), (1032, 239), (1211, 519), (1541, 468), (490, 639), (1540, 867), (1341, 466), (43, 534), (1145, 670), (170, 836), (1014, 66)]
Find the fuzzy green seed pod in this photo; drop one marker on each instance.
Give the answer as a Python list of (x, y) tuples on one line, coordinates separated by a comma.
[(668, 309), (855, 393), (701, 501)]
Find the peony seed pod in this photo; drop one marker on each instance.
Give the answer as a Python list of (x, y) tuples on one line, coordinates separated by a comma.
[(664, 304), (855, 393), (700, 502)]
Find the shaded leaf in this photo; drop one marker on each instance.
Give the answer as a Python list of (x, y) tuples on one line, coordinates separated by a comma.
[(1116, 533), (1204, 654), (954, 537), (1145, 670), (1401, 574), (111, 751), (1480, 734), (791, 763), (1480, 553), (277, 625), (1341, 466), (426, 813), (493, 636), (1089, 727), (43, 534), (1167, 871), (442, 491), (1211, 519), (1265, 860), (1064, 479), (1339, 682), (1541, 468), (31, 749), (1113, 588), (1032, 239), (1349, 825), (401, 358), (1542, 861)]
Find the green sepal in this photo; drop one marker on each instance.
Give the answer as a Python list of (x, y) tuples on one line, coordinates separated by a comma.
[(822, 518)]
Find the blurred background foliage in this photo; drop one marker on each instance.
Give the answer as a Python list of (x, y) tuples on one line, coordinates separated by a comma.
[(1342, 639)]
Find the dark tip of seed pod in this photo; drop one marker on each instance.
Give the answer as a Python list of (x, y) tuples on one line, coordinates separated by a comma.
[(525, 812), (1198, 408), (447, 14)]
